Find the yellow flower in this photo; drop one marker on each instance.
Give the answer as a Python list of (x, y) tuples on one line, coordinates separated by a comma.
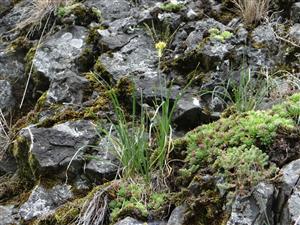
[(160, 46)]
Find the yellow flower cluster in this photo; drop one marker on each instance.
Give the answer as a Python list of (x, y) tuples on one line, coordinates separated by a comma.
[(160, 46)]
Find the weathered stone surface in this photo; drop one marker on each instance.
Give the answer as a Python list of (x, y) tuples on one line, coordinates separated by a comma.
[(6, 97), (43, 201), (20, 12), (131, 221), (67, 87), (289, 193), (11, 65), (111, 9), (9, 215), (295, 12), (264, 35), (294, 32), (5, 5), (7, 164), (190, 112), (255, 209), (201, 28), (53, 148), (60, 52), (105, 166), (177, 216), (139, 61)]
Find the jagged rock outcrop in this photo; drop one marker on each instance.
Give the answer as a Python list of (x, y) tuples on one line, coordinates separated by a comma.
[(193, 51), (43, 201)]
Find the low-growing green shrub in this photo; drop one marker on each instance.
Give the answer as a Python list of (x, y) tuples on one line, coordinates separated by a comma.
[(233, 147), (135, 199), (216, 34), (171, 7)]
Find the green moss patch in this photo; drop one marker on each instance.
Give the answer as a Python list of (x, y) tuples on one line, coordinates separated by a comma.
[(171, 7), (236, 148), (138, 201)]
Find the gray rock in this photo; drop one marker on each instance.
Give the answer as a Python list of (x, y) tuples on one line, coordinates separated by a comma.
[(54, 148), (294, 32), (255, 209), (241, 35), (9, 215), (20, 12), (177, 216), (200, 47), (7, 164), (292, 211), (288, 203), (256, 57), (112, 40), (67, 87), (264, 35), (12, 78), (43, 201), (11, 65), (6, 96), (214, 52), (291, 174), (190, 112), (201, 28), (295, 12), (119, 33), (104, 165), (172, 19), (131, 221), (60, 52), (111, 9), (191, 14), (5, 5), (138, 60)]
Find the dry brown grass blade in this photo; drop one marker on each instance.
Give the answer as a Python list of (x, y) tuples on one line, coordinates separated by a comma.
[(5, 134), (252, 11), (96, 210)]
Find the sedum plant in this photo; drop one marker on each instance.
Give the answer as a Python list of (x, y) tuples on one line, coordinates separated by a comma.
[(233, 147)]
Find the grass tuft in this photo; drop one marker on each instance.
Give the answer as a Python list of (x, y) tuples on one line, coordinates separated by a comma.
[(252, 11)]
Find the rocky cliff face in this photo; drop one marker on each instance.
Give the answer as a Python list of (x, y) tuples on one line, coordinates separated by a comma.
[(55, 167)]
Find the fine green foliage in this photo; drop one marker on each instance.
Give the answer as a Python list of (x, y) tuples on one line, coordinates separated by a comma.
[(137, 199), (216, 34), (161, 125), (130, 141), (171, 7), (238, 142), (242, 166), (141, 148), (246, 94)]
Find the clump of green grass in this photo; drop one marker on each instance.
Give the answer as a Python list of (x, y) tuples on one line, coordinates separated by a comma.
[(252, 11), (245, 94), (140, 142), (130, 141)]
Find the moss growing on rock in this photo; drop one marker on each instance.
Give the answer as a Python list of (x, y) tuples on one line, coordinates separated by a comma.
[(171, 7), (237, 145), (138, 201), (83, 15), (21, 153)]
